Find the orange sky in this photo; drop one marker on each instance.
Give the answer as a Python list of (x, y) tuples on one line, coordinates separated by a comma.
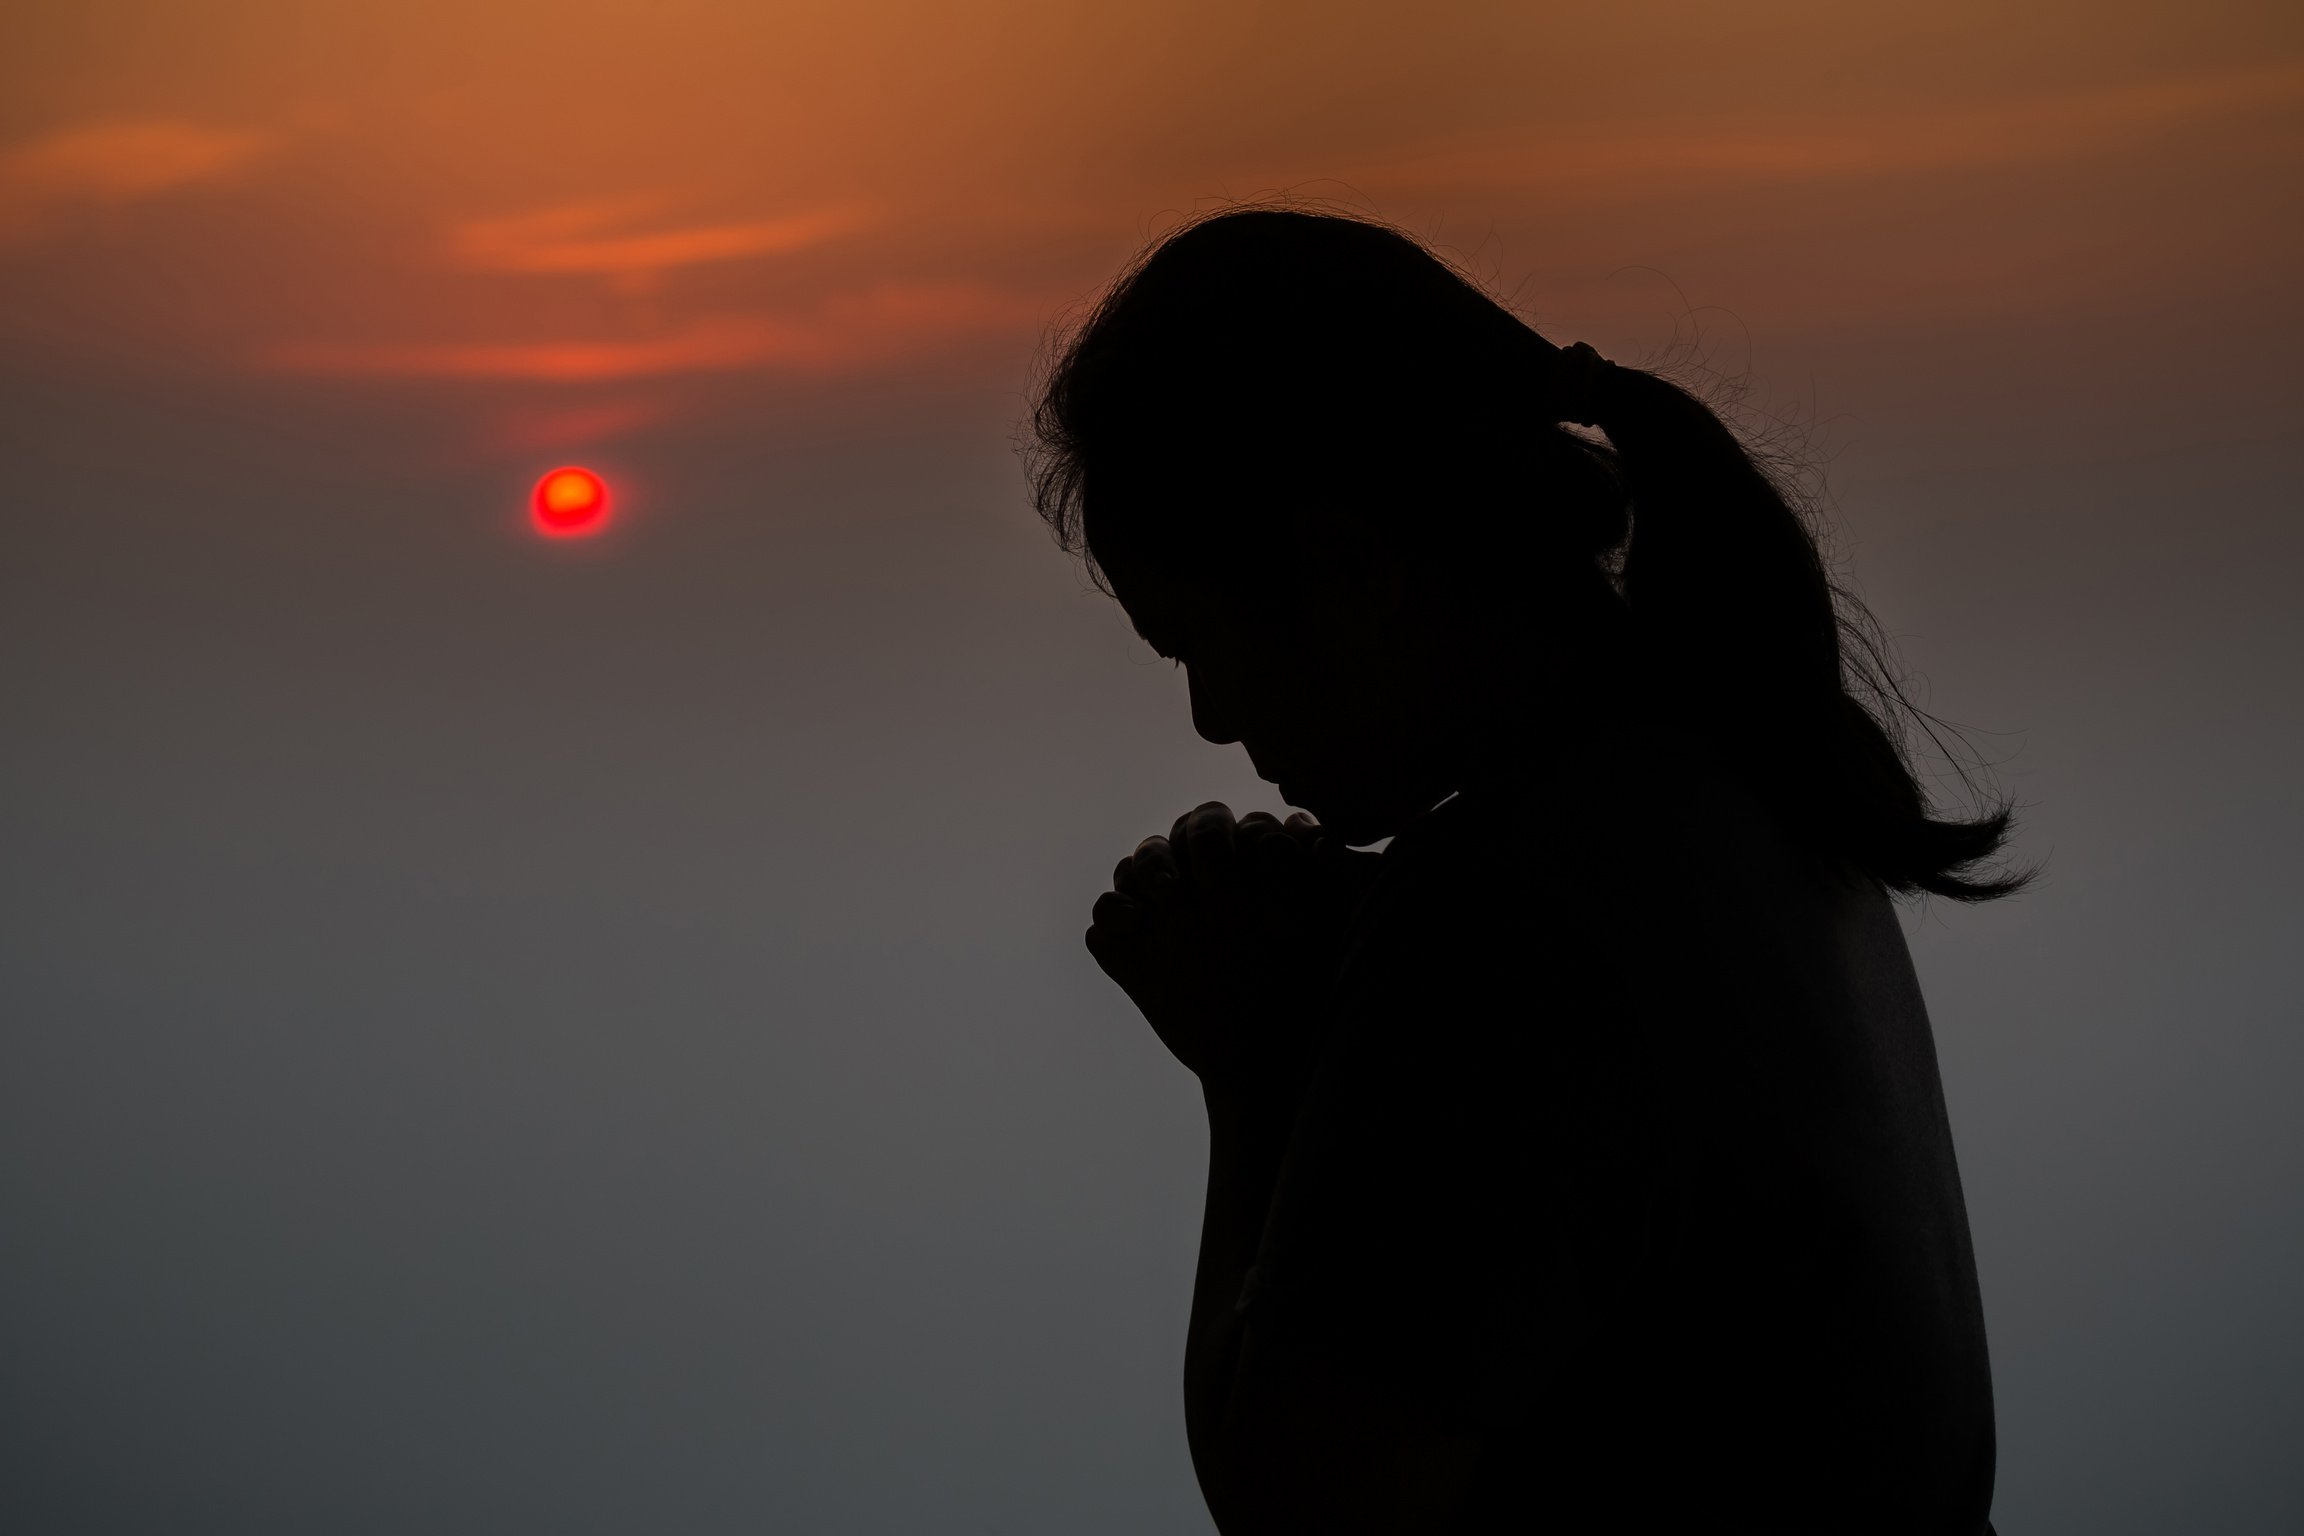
[(598, 210)]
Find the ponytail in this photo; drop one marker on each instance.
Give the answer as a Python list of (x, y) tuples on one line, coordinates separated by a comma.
[(1740, 624)]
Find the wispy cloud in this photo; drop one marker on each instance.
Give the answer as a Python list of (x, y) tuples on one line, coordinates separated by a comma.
[(2051, 127), (119, 160), (602, 237), (847, 331)]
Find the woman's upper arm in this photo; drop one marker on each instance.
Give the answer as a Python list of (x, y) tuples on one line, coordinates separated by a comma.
[(1473, 1184), (1310, 1447), (1383, 1325)]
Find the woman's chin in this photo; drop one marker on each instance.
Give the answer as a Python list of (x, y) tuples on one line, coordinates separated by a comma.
[(1349, 825), (1354, 820)]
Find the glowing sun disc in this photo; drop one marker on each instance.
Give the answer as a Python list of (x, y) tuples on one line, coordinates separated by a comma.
[(570, 503)]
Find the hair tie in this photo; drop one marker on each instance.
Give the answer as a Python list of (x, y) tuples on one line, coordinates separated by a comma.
[(1579, 380)]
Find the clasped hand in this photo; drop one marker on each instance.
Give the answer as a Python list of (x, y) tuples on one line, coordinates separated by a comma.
[(1226, 934)]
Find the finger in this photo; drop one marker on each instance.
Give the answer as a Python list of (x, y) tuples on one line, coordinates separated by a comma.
[(1116, 931), (1259, 836), (1206, 834), (1280, 851), (1255, 827), (1183, 824), (1115, 911), (1150, 873), (1309, 836)]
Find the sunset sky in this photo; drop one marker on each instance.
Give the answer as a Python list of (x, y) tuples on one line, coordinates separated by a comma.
[(592, 1035), (582, 221)]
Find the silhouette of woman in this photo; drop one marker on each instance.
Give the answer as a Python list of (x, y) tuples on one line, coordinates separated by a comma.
[(1579, 1162)]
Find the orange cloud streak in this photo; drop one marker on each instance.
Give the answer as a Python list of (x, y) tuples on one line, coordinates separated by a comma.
[(576, 238), (2049, 128), (122, 161), (849, 330)]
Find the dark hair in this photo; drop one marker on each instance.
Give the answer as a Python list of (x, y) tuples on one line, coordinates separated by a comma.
[(1266, 356)]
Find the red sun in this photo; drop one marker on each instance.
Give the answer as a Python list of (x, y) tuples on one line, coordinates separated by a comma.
[(571, 503)]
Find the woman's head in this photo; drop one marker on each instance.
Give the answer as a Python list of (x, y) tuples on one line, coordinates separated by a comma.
[(1326, 471), (1311, 462)]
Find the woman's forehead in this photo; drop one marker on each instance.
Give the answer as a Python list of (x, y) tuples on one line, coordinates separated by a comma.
[(1167, 604), (1179, 575), (1191, 617)]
